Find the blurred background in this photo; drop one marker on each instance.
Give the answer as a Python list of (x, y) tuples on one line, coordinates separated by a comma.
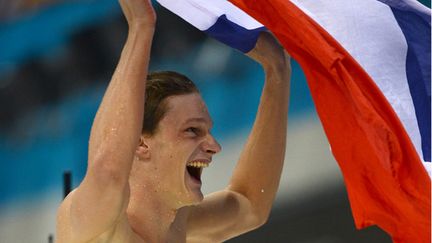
[(56, 59)]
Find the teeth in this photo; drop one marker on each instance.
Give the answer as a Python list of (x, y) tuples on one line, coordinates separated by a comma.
[(198, 164)]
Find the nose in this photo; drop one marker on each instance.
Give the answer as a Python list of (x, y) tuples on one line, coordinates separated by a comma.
[(211, 145)]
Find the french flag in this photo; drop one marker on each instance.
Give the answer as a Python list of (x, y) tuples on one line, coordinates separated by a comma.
[(368, 67)]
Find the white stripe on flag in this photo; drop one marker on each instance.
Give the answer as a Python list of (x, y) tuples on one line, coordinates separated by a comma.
[(203, 13)]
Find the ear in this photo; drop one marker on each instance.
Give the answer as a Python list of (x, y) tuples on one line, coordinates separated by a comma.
[(143, 150)]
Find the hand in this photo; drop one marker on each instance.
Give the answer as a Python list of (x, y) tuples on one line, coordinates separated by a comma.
[(268, 52), (138, 12)]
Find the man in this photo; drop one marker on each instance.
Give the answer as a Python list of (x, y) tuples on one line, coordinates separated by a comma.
[(143, 182)]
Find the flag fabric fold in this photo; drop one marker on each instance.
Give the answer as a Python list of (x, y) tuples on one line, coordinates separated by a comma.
[(367, 64), (220, 20)]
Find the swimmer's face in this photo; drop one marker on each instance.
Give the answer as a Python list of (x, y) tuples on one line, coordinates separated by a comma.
[(181, 148)]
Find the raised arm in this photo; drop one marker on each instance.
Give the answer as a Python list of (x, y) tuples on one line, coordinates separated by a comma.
[(259, 168), (102, 197), (246, 203)]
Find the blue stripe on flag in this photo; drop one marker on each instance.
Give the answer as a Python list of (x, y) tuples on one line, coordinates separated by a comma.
[(416, 27), (234, 35)]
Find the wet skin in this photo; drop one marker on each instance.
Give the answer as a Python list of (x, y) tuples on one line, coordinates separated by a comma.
[(142, 188)]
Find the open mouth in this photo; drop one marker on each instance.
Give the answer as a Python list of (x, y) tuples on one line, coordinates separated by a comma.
[(195, 168)]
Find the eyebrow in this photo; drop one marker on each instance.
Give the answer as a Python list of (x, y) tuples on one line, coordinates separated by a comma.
[(199, 119)]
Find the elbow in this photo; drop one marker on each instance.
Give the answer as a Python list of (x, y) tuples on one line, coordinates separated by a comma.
[(259, 215), (254, 221), (260, 209), (257, 209), (261, 218)]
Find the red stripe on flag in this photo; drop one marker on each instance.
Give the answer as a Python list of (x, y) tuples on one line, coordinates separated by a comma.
[(386, 182)]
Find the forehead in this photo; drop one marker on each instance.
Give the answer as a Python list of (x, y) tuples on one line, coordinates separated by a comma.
[(187, 108)]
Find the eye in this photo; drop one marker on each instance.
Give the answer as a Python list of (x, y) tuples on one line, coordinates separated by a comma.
[(193, 130)]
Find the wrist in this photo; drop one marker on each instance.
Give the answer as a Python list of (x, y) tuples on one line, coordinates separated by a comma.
[(142, 26), (143, 34)]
